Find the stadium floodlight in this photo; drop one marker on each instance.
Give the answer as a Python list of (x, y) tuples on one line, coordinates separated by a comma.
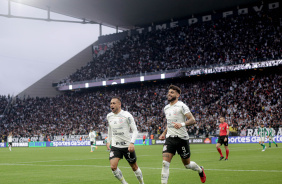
[(114, 83), (142, 78), (162, 76), (122, 81), (70, 87), (104, 83), (86, 85)]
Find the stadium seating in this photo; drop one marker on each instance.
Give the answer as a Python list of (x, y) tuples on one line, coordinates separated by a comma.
[(245, 101), (241, 39)]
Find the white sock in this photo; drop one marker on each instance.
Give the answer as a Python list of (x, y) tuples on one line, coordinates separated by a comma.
[(165, 172), (10, 148), (194, 167), (139, 176), (118, 174)]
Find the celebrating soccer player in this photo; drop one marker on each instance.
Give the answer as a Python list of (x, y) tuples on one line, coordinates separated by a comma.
[(120, 123), (177, 138), (223, 138), (271, 135)]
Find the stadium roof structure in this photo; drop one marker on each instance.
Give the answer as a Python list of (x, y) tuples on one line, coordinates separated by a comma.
[(129, 14)]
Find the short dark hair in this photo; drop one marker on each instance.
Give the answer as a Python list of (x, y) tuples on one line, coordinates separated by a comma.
[(176, 88), (117, 97)]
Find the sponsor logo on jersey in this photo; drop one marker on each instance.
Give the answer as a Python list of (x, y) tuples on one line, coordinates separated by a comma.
[(170, 125), (120, 143), (118, 133), (121, 120)]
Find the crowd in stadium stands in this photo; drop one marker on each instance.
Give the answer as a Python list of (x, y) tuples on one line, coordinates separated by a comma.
[(244, 101), (3, 103), (237, 40)]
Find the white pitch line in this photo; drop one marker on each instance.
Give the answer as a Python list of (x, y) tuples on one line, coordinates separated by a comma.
[(228, 170)]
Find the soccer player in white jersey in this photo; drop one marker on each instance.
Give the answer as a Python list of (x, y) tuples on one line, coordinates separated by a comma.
[(177, 138), (92, 136), (122, 145), (10, 140)]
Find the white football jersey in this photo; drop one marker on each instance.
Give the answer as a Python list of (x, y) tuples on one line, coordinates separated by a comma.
[(176, 113), (119, 129), (10, 138), (92, 136)]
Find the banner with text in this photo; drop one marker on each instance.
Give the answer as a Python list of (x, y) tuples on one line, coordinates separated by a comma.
[(191, 141), (247, 139), (37, 144), (254, 132), (67, 143)]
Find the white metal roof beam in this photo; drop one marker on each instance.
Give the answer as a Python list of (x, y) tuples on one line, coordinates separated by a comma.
[(9, 15)]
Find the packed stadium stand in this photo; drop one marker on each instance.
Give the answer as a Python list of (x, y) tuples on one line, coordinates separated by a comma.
[(246, 38), (245, 101), (245, 98)]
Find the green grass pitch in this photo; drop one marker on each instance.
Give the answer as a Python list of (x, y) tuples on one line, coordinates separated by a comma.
[(61, 165)]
